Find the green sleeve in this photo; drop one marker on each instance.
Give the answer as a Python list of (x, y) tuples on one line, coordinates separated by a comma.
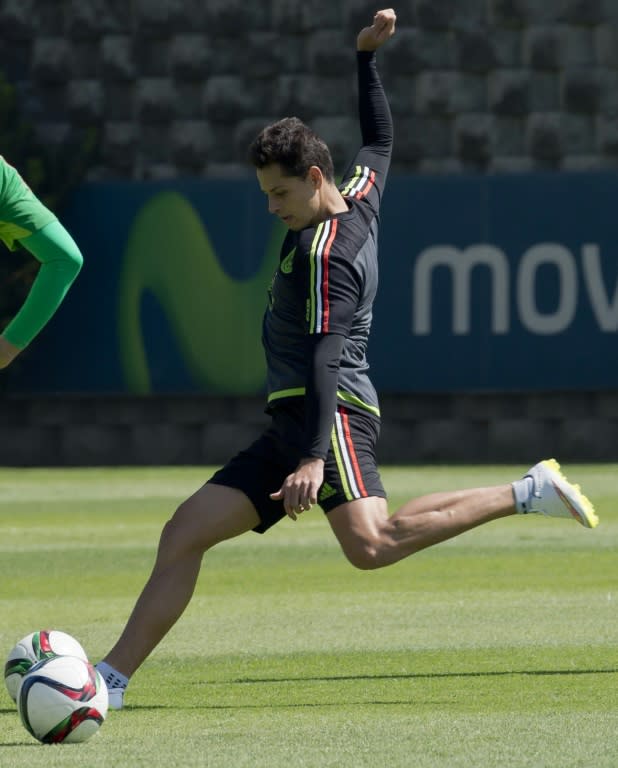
[(61, 261), (21, 212)]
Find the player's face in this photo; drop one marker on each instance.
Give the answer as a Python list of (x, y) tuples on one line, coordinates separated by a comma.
[(294, 200)]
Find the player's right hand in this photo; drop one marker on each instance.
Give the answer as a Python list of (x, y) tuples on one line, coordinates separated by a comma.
[(383, 27), (299, 491)]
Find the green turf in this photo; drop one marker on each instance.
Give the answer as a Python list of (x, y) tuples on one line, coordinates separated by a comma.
[(498, 648)]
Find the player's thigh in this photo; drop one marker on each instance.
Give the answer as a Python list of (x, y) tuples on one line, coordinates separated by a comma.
[(212, 514), (360, 527)]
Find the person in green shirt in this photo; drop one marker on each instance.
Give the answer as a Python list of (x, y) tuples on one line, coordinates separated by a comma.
[(25, 221)]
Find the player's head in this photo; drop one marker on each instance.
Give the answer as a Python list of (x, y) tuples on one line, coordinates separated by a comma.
[(292, 165), (294, 146)]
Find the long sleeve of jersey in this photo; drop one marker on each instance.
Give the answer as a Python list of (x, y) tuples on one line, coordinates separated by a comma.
[(376, 122), (60, 260), (321, 392)]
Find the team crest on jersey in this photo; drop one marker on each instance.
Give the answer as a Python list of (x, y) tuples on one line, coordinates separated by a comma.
[(288, 262)]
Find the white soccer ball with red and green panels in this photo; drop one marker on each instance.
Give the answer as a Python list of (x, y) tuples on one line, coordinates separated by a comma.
[(44, 644), (62, 700)]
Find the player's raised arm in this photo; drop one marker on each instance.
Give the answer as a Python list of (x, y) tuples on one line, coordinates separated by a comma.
[(376, 123)]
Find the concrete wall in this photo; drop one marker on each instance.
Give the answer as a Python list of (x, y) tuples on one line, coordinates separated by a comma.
[(480, 428), (179, 87)]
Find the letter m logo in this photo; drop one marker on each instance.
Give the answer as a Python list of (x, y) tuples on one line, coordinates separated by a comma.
[(460, 263)]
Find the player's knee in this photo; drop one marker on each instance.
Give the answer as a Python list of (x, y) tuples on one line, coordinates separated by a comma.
[(172, 542), (178, 536), (364, 555)]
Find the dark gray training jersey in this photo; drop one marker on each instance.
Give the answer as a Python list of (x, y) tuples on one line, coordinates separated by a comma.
[(328, 274)]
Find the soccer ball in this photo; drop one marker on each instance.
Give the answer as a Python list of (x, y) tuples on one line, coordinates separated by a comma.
[(34, 648), (62, 700)]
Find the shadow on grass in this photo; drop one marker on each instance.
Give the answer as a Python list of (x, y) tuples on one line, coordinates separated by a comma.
[(423, 676), (286, 705), (20, 744), (339, 678)]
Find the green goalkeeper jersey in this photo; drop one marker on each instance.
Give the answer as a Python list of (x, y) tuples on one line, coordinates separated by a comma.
[(25, 221), (21, 212)]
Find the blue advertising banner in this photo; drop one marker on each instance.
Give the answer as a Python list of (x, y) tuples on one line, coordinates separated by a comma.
[(500, 283), (486, 283)]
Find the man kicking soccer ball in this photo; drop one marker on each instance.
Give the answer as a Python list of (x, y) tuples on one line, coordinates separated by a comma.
[(320, 446)]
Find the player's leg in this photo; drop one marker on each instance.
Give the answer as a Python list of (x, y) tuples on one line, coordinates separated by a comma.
[(235, 500), (354, 500), (211, 515), (371, 538)]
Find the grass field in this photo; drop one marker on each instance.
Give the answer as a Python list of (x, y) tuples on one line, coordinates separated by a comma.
[(498, 648)]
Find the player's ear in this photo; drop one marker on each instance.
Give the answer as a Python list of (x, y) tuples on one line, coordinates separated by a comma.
[(315, 176)]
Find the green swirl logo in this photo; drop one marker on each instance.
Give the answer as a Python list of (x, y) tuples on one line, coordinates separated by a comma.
[(215, 319)]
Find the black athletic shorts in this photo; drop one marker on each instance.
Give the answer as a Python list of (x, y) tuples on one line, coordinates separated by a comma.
[(350, 469)]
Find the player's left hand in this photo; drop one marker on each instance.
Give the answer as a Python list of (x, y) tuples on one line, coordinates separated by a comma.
[(299, 491), (8, 352), (379, 32)]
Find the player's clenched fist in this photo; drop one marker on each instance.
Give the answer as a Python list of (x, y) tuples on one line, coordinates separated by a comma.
[(382, 28)]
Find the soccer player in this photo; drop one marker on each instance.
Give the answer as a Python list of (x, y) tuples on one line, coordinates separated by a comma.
[(320, 446), (24, 220)]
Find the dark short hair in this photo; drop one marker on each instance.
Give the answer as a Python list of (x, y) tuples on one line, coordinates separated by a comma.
[(294, 146)]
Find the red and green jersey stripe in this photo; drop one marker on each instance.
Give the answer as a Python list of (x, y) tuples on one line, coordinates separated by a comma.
[(361, 183), (346, 458)]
